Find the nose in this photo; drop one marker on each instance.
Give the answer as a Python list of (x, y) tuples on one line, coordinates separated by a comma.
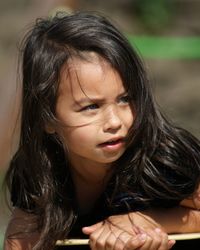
[(112, 122)]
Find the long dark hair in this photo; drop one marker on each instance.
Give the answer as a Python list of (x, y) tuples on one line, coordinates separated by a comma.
[(161, 161)]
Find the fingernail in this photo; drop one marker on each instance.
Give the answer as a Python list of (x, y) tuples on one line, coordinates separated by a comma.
[(158, 230), (143, 237), (171, 243)]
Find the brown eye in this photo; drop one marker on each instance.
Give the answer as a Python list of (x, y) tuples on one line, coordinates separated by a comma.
[(125, 99)]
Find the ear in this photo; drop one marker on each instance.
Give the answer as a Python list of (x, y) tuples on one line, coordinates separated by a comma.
[(49, 129)]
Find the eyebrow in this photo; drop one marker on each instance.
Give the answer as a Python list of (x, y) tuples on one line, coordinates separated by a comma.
[(95, 99)]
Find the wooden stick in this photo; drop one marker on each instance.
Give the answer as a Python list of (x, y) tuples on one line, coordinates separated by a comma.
[(186, 236), (71, 242)]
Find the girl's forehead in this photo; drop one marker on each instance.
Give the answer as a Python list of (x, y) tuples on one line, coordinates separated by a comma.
[(91, 76), (76, 66)]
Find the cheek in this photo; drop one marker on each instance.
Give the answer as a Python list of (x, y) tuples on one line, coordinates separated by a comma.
[(77, 136), (129, 118)]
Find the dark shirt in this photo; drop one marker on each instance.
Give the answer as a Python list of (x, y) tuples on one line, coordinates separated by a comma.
[(122, 203)]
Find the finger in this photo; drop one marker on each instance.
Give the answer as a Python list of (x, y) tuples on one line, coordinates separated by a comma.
[(156, 240), (129, 241), (94, 236), (147, 243), (110, 242), (124, 237), (91, 229), (160, 240), (121, 240), (165, 242), (171, 243), (99, 238), (135, 242)]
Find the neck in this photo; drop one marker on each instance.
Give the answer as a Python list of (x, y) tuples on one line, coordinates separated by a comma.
[(89, 171), (90, 180)]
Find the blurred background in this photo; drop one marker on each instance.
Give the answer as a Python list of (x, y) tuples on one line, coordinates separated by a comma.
[(165, 32)]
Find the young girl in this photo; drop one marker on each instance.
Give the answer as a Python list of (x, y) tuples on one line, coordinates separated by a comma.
[(95, 149)]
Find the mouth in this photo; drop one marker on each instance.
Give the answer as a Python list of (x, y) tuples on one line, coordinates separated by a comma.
[(115, 142)]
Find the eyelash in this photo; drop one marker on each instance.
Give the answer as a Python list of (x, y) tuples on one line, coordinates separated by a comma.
[(90, 107), (125, 99), (94, 106)]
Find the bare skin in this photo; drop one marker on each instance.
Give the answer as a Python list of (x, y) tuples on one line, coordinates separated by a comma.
[(21, 221), (194, 200)]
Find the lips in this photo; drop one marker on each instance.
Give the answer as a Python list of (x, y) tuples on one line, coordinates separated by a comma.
[(113, 141)]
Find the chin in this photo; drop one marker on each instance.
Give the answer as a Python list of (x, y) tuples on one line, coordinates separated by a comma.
[(111, 159)]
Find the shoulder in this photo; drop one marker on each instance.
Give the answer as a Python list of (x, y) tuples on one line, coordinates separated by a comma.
[(21, 233)]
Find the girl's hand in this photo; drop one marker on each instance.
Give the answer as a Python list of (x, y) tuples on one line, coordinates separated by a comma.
[(106, 236), (121, 232)]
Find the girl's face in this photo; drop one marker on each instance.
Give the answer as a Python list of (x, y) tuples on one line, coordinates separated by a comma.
[(94, 110)]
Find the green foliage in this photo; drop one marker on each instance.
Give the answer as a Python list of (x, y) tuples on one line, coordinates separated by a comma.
[(154, 14)]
